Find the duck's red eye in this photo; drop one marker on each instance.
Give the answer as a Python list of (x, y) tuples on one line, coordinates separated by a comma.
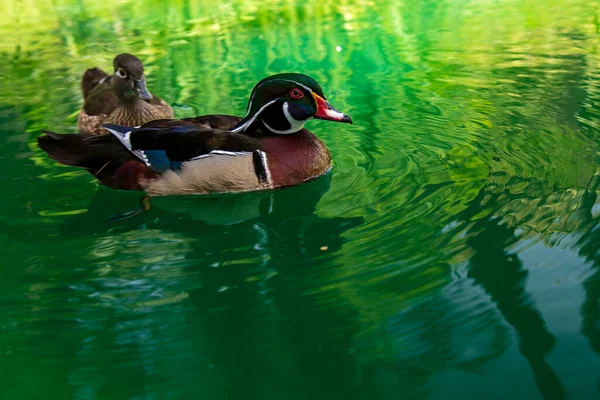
[(296, 93)]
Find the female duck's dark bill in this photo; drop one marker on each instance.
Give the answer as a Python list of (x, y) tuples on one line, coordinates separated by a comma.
[(326, 111), (142, 89)]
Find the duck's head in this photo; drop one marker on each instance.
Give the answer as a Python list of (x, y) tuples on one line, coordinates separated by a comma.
[(129, 80), (282, 103)]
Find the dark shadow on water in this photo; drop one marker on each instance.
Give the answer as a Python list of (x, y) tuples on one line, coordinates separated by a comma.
[(502, 276), (590, 249)]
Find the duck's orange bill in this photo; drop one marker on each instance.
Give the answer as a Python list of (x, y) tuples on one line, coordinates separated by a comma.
[(326, 111)]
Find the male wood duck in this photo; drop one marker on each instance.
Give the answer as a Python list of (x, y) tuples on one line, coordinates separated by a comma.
[(268, 148), (121, 98)]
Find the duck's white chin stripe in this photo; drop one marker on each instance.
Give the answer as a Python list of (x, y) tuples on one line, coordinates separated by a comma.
[(295, 125)]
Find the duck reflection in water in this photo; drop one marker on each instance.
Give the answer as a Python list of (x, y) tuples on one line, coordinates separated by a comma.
[(270, 208), (249, 298)]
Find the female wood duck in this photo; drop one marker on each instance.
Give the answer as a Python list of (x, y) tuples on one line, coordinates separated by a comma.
[(269, 148), (121, 98)]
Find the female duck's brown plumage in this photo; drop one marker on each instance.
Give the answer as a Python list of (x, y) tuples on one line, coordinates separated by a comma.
[(268, 148), (121, 98)]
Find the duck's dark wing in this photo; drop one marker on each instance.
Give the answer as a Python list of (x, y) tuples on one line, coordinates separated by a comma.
[(167, 148), (90, 79), (215, 121), (205, 122)]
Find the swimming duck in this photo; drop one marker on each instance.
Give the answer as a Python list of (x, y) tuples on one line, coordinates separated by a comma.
[(121, 98), (268, 148)]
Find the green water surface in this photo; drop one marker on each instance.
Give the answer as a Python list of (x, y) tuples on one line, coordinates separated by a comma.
[(453, 252)]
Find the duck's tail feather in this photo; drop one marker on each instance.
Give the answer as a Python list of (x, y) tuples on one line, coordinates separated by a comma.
[(66, 149), (102, 156)]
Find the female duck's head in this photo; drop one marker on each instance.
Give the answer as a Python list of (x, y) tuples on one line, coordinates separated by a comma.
[(129, 81), (282, 103)]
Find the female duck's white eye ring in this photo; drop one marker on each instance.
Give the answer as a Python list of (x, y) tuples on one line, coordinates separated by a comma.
[(121, 73)]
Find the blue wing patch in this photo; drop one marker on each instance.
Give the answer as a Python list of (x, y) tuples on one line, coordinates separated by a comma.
[(176, 166), (158, 160)]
